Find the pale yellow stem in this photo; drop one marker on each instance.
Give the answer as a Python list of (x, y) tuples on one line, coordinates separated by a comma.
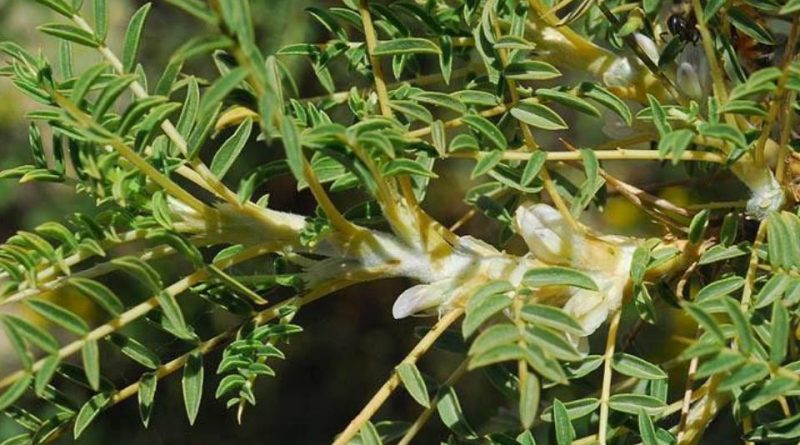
[(393, 382), (605, 395)]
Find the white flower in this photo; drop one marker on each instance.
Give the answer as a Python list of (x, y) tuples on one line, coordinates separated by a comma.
[(619, 74), (765, 200), (592, 308), (607, 259), (693, 75), (622, 71), (545, 232), (689, 81), (648, 46), (552, 241), (420, 299), (766, 193)]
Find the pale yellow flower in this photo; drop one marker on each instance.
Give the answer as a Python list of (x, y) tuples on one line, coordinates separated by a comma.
[(607, 259)]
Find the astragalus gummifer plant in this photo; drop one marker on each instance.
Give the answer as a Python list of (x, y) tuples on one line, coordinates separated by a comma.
[(509, 85)]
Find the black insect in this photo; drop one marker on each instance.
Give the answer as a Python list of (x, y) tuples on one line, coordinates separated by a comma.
[(682, 26)]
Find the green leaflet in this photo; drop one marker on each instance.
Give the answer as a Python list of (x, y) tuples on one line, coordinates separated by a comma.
[(14, 392), (451, 414), (408, 45), (552, 317), (576, 409), (135, 350), (441, 100), (529, 401), (294, 151), (531, 70), (485, 302), (59, 6), (101, 18), (32, 333), (221, 88), (231, 149), (720, 288), (140, 270), (486, 162), (607, 99), (674, 143), (369, 435), (475, 97), (744, 334), (192, 384), (635, 403), (45, 374), (133, 37), (169, 305), (71, 33), (147, 392), (554, 343), (557, 276), (562, 424), (412, 110), (779, 333), (89, 411), (539, 116), (487, 129), (646, 429), (705, 321), (399, 167), (58, 315), (568, 100), (697, 228), (90, 354), (413, 382), (533, 167), (494, 336), (744, 375), (485, 306), (633, 366), (790, 7), (747, 25), (783, 246)]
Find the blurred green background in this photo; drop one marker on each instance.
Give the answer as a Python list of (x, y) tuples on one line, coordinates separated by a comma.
[(351, 342)]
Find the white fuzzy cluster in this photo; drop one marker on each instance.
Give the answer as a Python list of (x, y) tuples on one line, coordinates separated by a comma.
[(767, 194), (648, 46), (469, 264), (445, 276), (693, 75), (551, 241), (607, 259)]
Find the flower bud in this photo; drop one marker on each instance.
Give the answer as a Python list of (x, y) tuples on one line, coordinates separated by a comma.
[(688, 81), (418, 299), (766, 193), (693, 75), (619, 74), (545, 232), (606, 259), (648, 46)]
